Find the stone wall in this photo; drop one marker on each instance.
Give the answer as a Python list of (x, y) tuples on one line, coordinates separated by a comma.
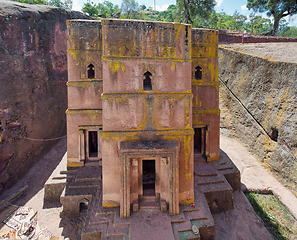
[(33, 78), (230, 36), (258, 105)]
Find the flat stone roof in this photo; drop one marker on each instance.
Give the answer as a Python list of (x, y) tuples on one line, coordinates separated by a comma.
[(162, 144)]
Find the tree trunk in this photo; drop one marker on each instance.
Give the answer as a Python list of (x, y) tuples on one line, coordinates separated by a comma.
[(187, 13), (275, 26)]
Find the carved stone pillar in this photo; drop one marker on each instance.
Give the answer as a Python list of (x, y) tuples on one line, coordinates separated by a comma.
[(82, 156)]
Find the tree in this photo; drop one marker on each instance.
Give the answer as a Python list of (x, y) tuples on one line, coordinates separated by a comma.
[(169, 15), (190, 9), (130, 9), (276, 8), (31, 1), (90, 8), (66, 4), (288, 32), (107, 9), (258, 24), (238, 21), (142, 7)]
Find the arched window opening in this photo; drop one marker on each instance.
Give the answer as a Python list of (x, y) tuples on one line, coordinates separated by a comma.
[(147, 81), (83, 206), (198, 73), (91, 71)]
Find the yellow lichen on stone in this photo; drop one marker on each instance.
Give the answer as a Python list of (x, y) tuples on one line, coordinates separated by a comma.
[(187, 152), (74, 164), (115, 66), (187, 201), (112, 204)]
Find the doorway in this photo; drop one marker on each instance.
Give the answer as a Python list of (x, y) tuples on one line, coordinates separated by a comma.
[(199, 141), (93, 144), (149, 177)]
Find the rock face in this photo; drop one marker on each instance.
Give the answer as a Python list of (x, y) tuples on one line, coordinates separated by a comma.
[(258, 105), (33, 78)]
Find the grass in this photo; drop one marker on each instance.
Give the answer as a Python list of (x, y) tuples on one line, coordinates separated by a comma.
[(275, 216)]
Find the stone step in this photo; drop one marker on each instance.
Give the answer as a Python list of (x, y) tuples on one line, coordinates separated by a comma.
[(204, 169), (230, 172), (149, 202), (84, 184), (219, 196), (119, 231), (210, 180), (199, 158), (92, 231), (182, 230), (89, 172), (149, 205), (184, 226), (77, 191), (69, 172), (87, 179), (149, 198), (115, 237), (93, 163)]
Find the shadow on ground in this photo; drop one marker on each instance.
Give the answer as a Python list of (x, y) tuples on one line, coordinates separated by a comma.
[(37, 175)]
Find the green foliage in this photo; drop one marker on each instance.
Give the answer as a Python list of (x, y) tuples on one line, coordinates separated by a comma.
[(276, 8), (258, 24), (31, 1), (107, 9), (189, 10), (130, 9), (288, 32), (90, 9), (169, 15), (142, 7), (66, 4), (238, 21), (149, 15), (276, 218)]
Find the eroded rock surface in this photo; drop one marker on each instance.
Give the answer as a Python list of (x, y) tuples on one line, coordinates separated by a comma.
[(33, 76), (258, 103)]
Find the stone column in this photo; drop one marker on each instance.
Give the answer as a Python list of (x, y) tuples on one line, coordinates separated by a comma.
[(207, 141), (134, 184), (82, 156)]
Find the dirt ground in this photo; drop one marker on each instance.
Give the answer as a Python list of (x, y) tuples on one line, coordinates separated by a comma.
[(240, 223), (282, 52)]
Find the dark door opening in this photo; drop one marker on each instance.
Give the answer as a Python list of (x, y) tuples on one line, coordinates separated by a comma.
[(148, 177), (93, 144), (199, 141)]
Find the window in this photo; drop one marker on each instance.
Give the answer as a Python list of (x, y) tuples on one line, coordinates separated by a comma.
[(147, 81), (91, 71), (198, 73), (83, 206)]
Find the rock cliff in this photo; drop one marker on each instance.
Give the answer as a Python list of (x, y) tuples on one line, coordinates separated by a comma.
[(33, 76), (258, 103)]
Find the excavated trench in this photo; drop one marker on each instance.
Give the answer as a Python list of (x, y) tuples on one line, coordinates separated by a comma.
[(258, 84)]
